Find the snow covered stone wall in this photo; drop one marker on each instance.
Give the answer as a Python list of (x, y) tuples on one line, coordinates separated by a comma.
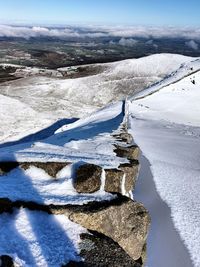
[(67, 200)]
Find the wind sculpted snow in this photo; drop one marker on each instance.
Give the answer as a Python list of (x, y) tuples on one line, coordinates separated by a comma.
[(166, 126)]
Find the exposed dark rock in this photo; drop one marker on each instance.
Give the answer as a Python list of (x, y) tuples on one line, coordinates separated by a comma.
[(121, 219), (129, 152), (6, 261), (98, 250), (7, 74), (124, 137), (88, 178), (113, 183)]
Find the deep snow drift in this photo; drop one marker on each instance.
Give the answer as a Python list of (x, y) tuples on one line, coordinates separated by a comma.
[(166, 126)]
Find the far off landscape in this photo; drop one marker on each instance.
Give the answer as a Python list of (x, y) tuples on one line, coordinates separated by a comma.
[(99, 133)]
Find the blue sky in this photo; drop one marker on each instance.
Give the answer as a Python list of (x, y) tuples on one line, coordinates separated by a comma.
[(133, 12)]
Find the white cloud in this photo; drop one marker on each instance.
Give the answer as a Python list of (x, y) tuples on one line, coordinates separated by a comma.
[(127, 42), (192, 44), (27, 32), (101, 31)]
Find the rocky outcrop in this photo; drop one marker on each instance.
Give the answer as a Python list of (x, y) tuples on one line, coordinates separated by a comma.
[(118, 227), (51, 168), (131, 173), (123, 179), (124, 137), (88, 178), (129, 152), (114, 180), (123, 220), (101, 251)]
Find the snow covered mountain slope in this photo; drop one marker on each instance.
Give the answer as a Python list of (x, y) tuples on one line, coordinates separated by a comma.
[(177, 102), (18, 119), (165, 122), (46, 100)]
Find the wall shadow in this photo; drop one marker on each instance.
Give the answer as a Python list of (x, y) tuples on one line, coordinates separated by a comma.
[(164, 245), (44, 239), (89, 130), (40, 135)]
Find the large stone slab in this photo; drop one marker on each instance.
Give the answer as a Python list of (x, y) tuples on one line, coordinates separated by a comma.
[(123, 220), (131, 171), (123, 179), (97, 250), (88, 178), (124, 137), (113, 181), (129, 152)]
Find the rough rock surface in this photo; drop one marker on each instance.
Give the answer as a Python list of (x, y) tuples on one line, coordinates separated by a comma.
[(122, 180), (121, 219), (88, 178), (52, 168), (114, 178), (118, 227), (124, 137), (98, 250), (131, 173), (129, 152)]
